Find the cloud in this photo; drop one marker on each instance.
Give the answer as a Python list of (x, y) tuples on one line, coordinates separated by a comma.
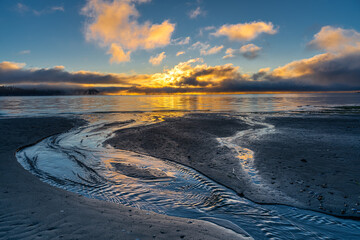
[(185, 74), (190, 76), (115, 22), (205, 48), (205, 29), (118, 54), (340, 64), (338, 68), (10, 66), (180, 53), (196, 12), (199, 45), (22, 8), (336, 39), (229, 53), (58, 8), (211, 51), (156, 60), (245, 31), (181, 41), (250, 51), (193, 76), (24, 52), (12, 73)]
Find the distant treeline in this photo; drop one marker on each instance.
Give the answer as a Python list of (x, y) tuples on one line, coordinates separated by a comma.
[(15, 91)]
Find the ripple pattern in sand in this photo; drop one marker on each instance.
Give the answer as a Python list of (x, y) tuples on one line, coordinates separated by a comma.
[(77, 161)]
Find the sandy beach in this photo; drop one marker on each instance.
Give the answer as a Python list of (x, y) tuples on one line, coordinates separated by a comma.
[(310, 159), (31, 209)]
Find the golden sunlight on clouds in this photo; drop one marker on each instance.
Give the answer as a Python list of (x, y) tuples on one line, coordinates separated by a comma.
[(342, 47), (9, 66), (115, 22), (301, 67), (245, 31), (185, 74), (264, 70), (338, 66), (180, 53), (156, 60), (336, 39), (250, 50), (118, 54), (229, 53), (211, 51)]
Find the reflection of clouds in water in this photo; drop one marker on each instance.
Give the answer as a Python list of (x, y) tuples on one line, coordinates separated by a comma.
[(30, 106)]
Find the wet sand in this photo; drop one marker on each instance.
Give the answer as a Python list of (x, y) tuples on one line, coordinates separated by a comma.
[(312, 159), (31, 209)]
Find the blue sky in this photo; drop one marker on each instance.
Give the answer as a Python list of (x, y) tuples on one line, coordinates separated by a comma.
[(44, 34)]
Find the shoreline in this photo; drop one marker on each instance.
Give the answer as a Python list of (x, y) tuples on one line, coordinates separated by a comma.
[(196, 135), (32, 209)]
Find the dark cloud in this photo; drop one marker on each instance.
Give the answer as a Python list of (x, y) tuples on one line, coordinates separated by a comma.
[(57, 75), (326, 70)]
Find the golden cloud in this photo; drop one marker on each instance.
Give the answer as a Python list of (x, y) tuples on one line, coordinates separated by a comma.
[(230, 53), (156, 60), (336, 39), (250, 51), (211, 51), (180, 53), (301, 67), (185, 74), (339, 65), (245, 31), (118, 54), (115, 22), (9, 66)]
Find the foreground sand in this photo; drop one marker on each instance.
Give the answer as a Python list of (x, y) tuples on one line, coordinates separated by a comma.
[(313, 160), (31, 209)]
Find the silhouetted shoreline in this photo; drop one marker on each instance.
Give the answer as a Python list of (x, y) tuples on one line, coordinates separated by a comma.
[(15, 91)]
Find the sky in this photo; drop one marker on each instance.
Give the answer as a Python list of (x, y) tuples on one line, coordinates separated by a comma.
[(153, 46)]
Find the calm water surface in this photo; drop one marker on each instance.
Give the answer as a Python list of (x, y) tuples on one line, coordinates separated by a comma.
[(55, 105)]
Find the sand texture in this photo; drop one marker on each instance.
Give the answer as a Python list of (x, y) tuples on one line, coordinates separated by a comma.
[(31, 209), (312, 159)]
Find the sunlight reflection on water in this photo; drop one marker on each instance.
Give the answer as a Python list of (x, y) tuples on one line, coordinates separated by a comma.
[(55, 105)]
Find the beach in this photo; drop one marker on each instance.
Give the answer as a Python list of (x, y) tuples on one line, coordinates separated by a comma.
[(31, 209), (309, 161), (306, 161)]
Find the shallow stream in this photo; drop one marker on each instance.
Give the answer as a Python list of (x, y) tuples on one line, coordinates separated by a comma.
[(78, 162)]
